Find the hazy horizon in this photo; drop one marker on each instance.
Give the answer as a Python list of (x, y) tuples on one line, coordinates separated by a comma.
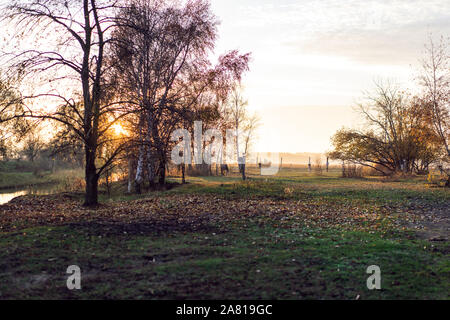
[(311, 60)]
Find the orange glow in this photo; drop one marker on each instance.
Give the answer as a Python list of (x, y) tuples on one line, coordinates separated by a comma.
[(119, 130)]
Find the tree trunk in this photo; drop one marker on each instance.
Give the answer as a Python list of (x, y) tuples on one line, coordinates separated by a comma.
[(162, 172), (150, 168), (183, 173), (139, 170), (91, 177), (150, 157), (130, 175), (108, 182), (237, 141)]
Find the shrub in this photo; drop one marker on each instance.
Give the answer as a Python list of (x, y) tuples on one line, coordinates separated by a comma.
[(38, 172), (352, 171), (73, 184), (199, 170), (437, 179), (318, 168)]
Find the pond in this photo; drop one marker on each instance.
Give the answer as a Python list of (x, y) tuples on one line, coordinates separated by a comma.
[(9, 194)]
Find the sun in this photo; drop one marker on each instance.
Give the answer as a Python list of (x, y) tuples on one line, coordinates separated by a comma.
[(118, 129)]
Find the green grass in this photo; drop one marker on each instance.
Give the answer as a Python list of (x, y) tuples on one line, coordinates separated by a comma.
[(17, 166), (21, 179), (250, 262), (329, 188), (15, 180), (245, 259)]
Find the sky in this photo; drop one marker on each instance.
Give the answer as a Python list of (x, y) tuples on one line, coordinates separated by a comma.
[(312, 61)]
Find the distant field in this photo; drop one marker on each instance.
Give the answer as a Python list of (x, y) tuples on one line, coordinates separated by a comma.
[(19, 179), (297, 183), (61, 179)]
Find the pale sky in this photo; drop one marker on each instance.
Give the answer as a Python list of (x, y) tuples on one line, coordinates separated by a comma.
[(312, 60)]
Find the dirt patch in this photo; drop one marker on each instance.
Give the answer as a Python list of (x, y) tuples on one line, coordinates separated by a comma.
[(208, 213), (429, 221), (186, 213)]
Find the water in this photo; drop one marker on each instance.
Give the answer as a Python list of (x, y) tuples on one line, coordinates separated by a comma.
[(9, 194)]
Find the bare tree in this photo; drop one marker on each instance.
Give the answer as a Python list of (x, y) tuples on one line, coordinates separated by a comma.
[(11, 109), (251, 123), (318, 168), (33, 145), (238, 113), (244, 123), (73, 60), (435, 78), (397, 135)]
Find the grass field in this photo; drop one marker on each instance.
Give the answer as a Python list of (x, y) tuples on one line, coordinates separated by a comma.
[(291, 236), (9, 180), (17, 180)]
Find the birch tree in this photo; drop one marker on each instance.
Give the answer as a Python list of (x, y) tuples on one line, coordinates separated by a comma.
[(160, 42)]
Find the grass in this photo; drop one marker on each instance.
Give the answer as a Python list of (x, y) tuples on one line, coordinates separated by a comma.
[(258, 241), (16, 180), (9, 180), (330, 187), (260, 263)]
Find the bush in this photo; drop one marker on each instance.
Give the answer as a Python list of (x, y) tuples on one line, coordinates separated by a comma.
[(199, 170), (38, 172), (70, 182), (318, 168), (437, 179), (352, 171)]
